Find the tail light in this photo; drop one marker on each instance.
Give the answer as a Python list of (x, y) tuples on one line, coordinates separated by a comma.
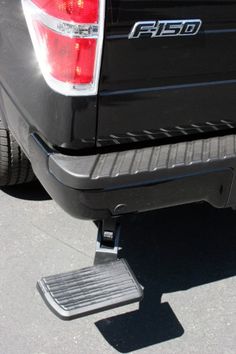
[(67, 36)]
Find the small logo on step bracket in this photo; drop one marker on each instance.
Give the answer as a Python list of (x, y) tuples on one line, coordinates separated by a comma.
[(167, 28)]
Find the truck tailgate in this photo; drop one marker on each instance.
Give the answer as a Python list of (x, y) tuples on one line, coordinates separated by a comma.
[(153, 88)]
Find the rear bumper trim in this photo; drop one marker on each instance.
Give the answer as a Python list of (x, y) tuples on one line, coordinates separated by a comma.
[(100, 186), (150, 164)]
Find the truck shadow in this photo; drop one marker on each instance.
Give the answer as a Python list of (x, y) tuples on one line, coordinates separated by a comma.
[(170, 250), (29, 191)]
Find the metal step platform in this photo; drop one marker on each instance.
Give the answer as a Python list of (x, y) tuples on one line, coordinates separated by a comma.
[(90, 290)]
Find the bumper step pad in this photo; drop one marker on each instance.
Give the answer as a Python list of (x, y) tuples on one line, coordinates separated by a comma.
[(90, 290)]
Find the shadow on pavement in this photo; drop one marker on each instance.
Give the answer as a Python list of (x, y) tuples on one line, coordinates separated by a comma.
[(170, 250), (28, 191)]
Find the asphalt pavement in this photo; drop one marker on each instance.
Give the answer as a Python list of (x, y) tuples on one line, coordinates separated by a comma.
[(185, 257)]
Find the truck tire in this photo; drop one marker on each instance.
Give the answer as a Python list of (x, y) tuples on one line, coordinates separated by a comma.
[(15, 168)]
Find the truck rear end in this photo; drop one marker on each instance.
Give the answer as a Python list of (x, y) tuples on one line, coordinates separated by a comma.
[(122, 106)]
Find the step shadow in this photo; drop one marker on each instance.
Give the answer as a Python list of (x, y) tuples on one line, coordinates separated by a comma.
[(170, 250)]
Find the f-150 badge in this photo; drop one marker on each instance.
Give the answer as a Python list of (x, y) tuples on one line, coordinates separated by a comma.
[(167, 28)]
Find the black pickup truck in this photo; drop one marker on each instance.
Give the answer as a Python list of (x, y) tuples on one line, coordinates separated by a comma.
[(120, 107)]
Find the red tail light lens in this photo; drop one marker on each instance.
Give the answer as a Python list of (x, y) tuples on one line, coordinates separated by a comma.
[(81, 11), (71, 59), (67, 37)]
